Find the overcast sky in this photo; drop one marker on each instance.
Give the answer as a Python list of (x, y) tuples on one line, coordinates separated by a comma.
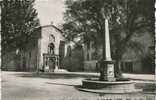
[(50, 11)]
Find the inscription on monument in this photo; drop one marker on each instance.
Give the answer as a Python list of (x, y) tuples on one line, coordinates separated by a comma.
[(110, 70)]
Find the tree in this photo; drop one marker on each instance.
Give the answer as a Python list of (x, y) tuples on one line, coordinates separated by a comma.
[(19, 19), (127, 18)]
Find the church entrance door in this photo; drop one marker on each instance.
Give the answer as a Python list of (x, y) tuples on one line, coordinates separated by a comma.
[(50, 61)]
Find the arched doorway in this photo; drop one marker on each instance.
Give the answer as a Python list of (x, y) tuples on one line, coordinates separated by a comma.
[(51, 48), (49, 58)]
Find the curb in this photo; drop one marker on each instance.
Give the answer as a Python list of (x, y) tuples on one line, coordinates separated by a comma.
[(75, 74)]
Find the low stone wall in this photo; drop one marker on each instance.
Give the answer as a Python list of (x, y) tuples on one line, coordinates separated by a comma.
[(9, 68), (90, 66)]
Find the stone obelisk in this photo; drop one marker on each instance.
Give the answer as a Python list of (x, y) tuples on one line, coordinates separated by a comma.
[(107, 64)]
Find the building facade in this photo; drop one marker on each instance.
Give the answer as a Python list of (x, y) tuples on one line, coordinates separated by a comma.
[(51, 48)]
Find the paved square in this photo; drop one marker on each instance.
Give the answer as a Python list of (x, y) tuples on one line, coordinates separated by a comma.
[(26, 86)]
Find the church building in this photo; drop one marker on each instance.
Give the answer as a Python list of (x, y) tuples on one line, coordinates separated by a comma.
[(44, 51)]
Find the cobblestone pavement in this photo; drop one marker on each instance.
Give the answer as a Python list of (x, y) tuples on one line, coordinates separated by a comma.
[(26, 86)]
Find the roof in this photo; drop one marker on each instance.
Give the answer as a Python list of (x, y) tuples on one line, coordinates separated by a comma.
[(45, 26)]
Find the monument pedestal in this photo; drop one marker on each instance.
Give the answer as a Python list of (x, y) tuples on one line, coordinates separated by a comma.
[(107, 70)]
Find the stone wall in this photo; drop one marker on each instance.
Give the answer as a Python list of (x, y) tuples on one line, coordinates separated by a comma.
[(8, 61), (90, 66)]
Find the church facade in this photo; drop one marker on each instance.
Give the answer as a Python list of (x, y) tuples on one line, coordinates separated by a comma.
[(51, 48)]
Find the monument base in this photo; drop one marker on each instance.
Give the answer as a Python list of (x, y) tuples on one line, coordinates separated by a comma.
[(107, 70), (118, 86)]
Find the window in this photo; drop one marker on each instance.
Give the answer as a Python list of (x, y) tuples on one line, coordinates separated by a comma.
[(51, 47), (51, 38)]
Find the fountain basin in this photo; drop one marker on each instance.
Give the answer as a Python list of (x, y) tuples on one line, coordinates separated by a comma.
[(118, 86)]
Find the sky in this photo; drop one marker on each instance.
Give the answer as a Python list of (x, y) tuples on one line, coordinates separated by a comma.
[(50, 11)]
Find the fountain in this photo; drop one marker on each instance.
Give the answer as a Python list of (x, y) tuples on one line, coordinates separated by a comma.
[(107, 83)]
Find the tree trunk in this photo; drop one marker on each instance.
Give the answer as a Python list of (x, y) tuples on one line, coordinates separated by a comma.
[(118, 72)]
